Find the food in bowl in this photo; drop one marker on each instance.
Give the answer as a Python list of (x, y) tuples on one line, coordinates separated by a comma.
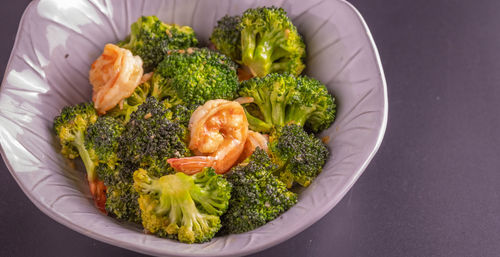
[(193, 142)]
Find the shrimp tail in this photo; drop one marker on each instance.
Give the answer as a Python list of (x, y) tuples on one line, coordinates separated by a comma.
[(192, 165), (98, 191)]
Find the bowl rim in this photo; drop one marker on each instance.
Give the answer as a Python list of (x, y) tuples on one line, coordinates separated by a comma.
[(82, 230)]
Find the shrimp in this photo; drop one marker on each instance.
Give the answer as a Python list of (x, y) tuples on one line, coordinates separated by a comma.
[(114, 77), (254, 140), (98, 191), (218, 131)]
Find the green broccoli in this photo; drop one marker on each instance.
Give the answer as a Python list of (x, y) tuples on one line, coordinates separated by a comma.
[(314, 108), (152, 87), (194, 76), (131, 103), (182, 207), (271, 94), (281, 99), (71, 129), (299, 155), (180, 113), (257, 197), (184, 80), (121, 198), (270, 42), (121, 202), (108, 174), (102, 139), (226, 36), (151, 39), (71, 126), (151, 137)]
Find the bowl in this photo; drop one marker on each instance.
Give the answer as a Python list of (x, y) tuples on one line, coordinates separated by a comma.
[(58, 40)]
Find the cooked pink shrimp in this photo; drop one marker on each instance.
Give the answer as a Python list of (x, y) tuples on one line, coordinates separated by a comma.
[(218, 131), (254, 140), (114, 77)]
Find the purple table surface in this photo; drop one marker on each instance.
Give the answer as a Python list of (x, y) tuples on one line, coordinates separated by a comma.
[(432, 189)]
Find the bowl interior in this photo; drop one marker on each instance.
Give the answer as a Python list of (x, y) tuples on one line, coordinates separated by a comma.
[(58, 40)]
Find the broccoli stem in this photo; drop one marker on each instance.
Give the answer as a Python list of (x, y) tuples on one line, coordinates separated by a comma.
[(257, 124), (267, 112), (280, 53), (279, 114), (261, 99), (280, 66), (248, 40), (298, 114), (278, 108), (256, 55), (260, 57), (84, 154), (261, 63)]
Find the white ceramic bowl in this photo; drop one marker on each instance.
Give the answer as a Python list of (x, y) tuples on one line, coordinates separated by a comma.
[(58, 40)]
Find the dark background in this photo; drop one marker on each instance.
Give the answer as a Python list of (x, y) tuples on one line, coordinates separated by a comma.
[(433, 187)]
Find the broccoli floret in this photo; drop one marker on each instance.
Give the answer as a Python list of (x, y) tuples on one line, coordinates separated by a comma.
[(101, 142), (151, 39), (121, 198), (182, 207), (180, 113), (71, 126), (184, 80), (226, 36), (156, 132), (109, 175), (262, 39), (194, 76), (71, 129), (271, 94), (121, 202), (153, 87), (270, 42), (257, 197), (299, 155), (131, 103), (151, 137), (313, 107), (102, 139), (281, 99)]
